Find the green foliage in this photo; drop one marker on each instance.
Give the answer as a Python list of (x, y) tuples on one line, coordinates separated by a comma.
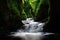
[(13, 5), (30, 8)]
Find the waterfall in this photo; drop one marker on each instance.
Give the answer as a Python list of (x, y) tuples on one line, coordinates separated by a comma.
[(32, 26), (33, 30)]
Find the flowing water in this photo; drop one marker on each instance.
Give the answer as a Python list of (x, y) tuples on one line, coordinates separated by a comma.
[(33, 30)]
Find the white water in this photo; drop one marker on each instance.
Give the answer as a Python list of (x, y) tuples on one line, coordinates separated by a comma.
[(32, 26), (33, 30)]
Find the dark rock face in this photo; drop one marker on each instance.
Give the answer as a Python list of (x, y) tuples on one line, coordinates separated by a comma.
[(9, 21), (53, 25)]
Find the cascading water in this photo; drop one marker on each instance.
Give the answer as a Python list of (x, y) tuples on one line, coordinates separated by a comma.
[(31, 26), (29, 9), (33, 30)]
